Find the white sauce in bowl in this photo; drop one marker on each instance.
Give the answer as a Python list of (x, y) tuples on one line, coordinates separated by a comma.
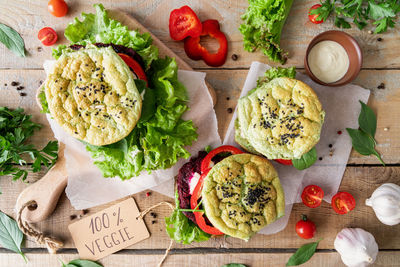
[(328, 61)]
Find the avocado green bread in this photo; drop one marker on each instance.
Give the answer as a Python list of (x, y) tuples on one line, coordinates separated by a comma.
[(280, 119), (242, 194), (92, 95)]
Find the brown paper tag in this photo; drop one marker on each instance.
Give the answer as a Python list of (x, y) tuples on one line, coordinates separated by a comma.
[(109, 230)]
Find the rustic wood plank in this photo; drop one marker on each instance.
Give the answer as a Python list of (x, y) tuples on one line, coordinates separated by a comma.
[(228, 84), (126, 259), (28, 17), (359, 181)]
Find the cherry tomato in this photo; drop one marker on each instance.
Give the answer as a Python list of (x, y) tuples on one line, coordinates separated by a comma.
[(47, 36), (313, 17), (57, 8), (200, 219), (205, 164), (183, 22), (312, 196), (305, 228), (343, 202), (134, 66), (284, 161)]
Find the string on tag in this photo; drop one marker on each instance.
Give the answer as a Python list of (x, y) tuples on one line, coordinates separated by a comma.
[(52, 244), (143, 213)]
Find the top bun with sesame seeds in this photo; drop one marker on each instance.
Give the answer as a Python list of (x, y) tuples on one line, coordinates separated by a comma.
[(280, 119), (92, 94), (242, 194)]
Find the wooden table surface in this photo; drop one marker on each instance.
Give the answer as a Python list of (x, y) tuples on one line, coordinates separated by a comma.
[(362, 176)]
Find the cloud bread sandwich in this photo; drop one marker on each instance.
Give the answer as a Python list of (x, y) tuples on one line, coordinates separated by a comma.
[(238, 196), (92, 94), (280, 119)]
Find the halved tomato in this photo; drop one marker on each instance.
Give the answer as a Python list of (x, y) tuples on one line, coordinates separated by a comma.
[(312, 196), (343, 202), (47, 36)]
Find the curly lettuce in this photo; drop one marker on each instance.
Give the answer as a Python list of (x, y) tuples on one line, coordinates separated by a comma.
[(262, 27), (159, 139)]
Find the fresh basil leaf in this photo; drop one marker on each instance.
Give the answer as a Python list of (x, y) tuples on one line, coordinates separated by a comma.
[(82, 263), (367, 120), (306, 160), (10, 235), (303, 254), (363, 143), (12, 40), (234, 265)]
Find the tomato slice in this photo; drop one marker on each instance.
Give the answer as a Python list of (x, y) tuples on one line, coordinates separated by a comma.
[(312, 196), (205, 164), (135, 67), (200, 220), (57, 8), (284, 161), (47, 36), (183, 22), (313, 17), (343, 202)]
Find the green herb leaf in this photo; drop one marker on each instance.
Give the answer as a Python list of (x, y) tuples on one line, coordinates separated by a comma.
[(15, 129), (43, 101), (342, 23), (278, 72), (12, 40), (363, 140), (234, 265), (181, 229), (82, 263), (303, 254), (306, 160), (10, 235), (367, 120), (363, 143)]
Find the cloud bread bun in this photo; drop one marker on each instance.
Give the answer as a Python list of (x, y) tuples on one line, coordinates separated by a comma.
[(281, 119), (242, 194), (92, 95)]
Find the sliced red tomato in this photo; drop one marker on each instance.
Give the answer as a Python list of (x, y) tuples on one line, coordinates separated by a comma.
[(313, 17), (196, 51), (305, 228), (312, 196), (284, 161), (343, 202), (183, 22), (57, 8), (194, 200), (47, 36), (135, 67), (205, 164)]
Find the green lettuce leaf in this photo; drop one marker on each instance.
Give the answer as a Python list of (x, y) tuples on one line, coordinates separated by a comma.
[(99, 28), (159, 138), (181, 229), (262, 27)]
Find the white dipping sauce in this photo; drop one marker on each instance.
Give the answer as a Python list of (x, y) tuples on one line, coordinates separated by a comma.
[(328, 61)]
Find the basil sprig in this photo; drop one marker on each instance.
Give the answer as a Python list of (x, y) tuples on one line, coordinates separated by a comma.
[(234, 265), (363, 139), (303, 254), (306, 160), (12, 40), (10, 235), (81, 263)]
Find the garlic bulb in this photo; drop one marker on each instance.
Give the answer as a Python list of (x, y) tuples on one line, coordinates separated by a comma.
[(386, 203), (356, 246)]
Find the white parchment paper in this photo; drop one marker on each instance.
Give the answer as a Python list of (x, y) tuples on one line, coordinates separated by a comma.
[(86, 186), (342, 109)]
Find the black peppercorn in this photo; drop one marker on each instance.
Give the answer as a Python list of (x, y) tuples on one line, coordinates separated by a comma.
[(230, 110), (379, 39), (381, 86), (235, 57)]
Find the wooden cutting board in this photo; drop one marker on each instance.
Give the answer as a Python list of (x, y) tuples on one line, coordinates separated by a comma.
[(48, 189)]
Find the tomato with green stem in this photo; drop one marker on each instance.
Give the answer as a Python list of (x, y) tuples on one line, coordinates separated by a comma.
[(314, 17), (305, 228)]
